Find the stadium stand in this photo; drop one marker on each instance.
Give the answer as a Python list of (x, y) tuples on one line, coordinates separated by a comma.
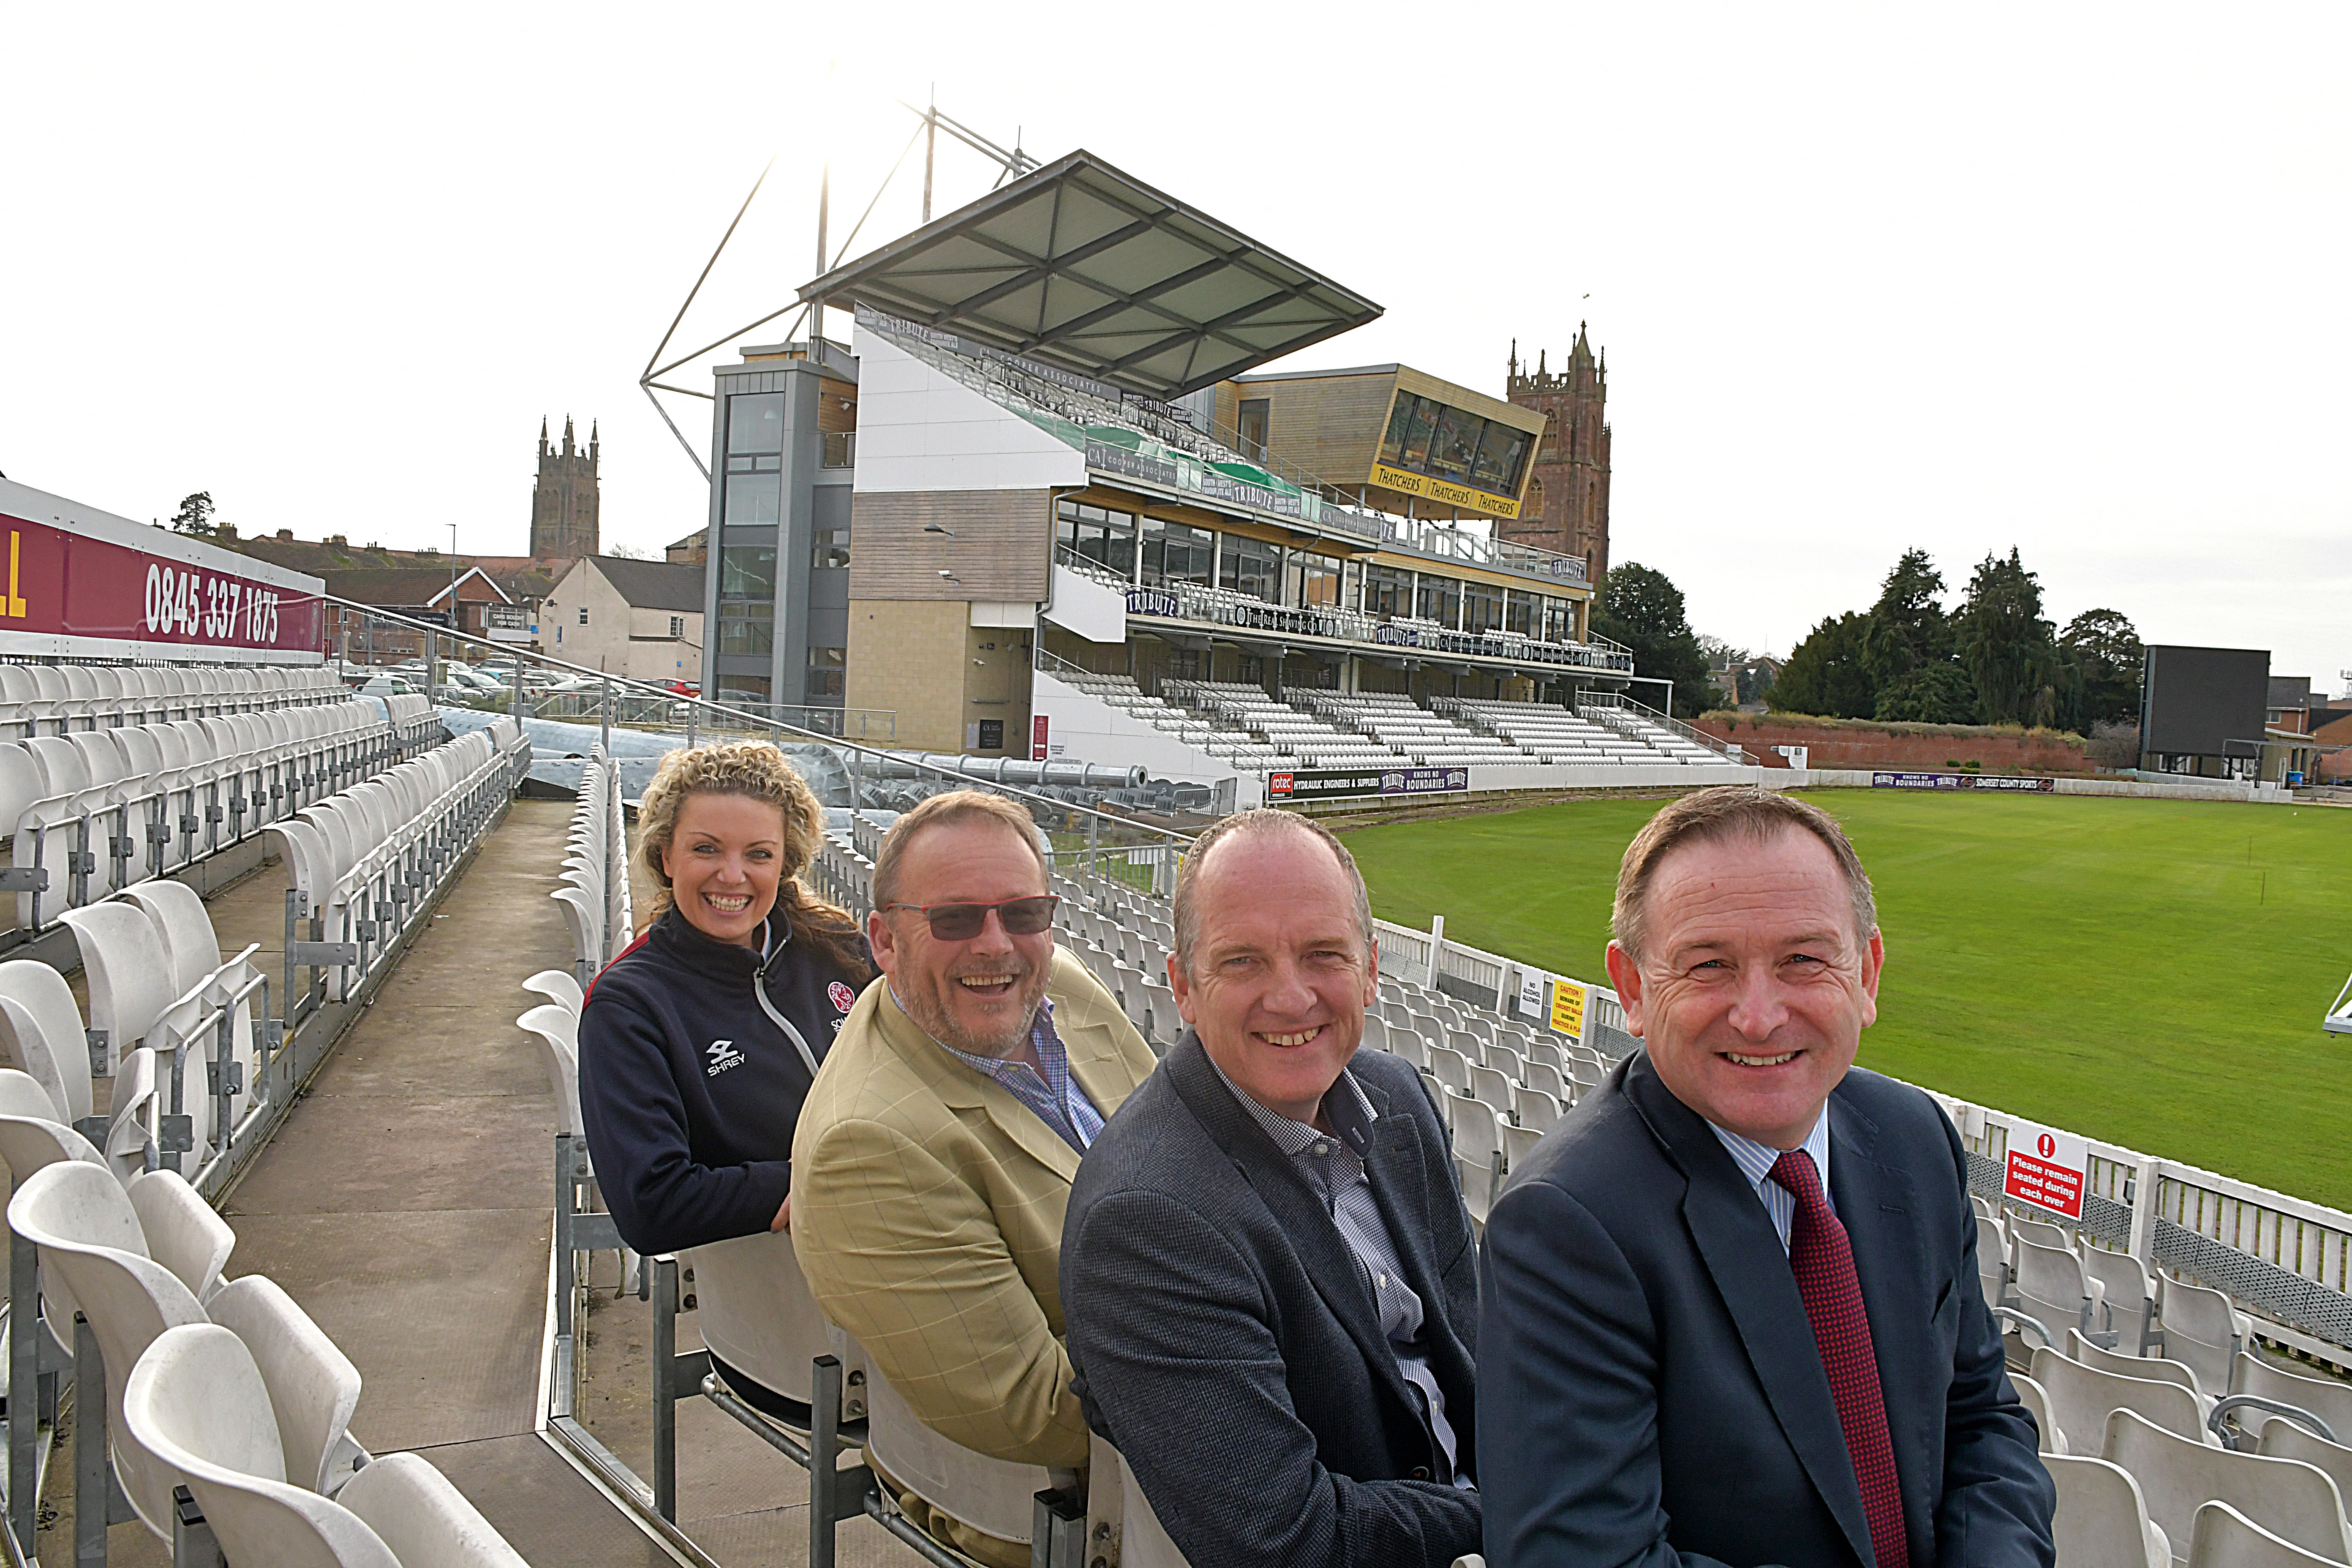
[(1243, 724), (94, 810)]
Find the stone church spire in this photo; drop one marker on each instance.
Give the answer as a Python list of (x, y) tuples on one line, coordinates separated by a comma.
[(565, 506)]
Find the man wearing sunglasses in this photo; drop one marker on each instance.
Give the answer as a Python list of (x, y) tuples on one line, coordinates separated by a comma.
[(934, 1156)]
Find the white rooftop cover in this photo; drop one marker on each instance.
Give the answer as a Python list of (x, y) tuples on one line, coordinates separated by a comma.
[(1081, 265)]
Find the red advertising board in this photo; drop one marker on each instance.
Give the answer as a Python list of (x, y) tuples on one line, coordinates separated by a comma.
[(2047, 1168), (70, 589), (1039, 729)]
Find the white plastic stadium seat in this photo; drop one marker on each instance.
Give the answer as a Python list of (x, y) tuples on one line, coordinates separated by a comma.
[(313, 1386), (2221, 1537), (2328, 1398), (2201, 1329), (559, 987), (129, 976), (416, 1510), (1118, 1512), (2291, 1498), (89, 1239), (557, 1030), (756, 1311), (40, 1025), (2082, 1397), (2102, 1519), (2036, 1400), (990, 1495), (196, 1401), (183, 1232)]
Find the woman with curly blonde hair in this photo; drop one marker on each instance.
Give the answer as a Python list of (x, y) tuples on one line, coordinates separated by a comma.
[(699, 1042)]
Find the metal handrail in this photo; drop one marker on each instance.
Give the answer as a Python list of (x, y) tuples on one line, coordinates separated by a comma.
[(739, 718)]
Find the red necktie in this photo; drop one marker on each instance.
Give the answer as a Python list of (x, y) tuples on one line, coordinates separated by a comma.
[(1822, 1260)]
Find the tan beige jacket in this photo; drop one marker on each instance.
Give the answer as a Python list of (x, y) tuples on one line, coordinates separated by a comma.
[(927, 1214)]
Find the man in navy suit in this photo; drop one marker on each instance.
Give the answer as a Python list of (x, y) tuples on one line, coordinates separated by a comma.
[(1730, 1307)]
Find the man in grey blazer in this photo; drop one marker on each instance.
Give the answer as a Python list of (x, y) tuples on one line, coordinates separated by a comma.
[(1732, 1308), (1267, 1272)]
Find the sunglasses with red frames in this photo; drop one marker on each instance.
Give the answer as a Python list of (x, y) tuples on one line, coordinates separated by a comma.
[(962, 922)]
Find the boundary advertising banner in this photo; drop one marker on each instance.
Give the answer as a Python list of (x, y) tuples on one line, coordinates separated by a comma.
[(91, 585), (1343, 783), (1998, 782)]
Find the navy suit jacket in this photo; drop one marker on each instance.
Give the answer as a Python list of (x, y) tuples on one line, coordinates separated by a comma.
[(1224, 1343), (1649, 1390)]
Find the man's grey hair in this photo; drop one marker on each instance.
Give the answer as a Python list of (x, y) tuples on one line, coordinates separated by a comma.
[(1724, 812), (1258, 822)]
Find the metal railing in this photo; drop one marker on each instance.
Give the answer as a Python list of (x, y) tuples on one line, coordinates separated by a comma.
[(845, 773), (1614, 709), (1232, 607)]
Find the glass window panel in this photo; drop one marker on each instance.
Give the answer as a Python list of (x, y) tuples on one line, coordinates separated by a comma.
[(1481, 607), (1416, 438), (1497, 469), (1400, 421), (1388, 592), (1440, 600), (1558, 620), (1176, 553), (1455, 445), (827, 667), (747, 571), (1311, 582), (830, 550), (747, 625), (753, 500), (1520, 616), (1250, 566), (755, 422)]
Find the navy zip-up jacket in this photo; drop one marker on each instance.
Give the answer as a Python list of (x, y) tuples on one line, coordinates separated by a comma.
[(688, 1089)]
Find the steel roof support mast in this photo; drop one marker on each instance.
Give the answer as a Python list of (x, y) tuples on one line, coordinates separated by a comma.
[(1013, 163)]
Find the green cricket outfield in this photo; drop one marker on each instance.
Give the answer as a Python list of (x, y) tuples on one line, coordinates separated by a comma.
[(2150, 973)]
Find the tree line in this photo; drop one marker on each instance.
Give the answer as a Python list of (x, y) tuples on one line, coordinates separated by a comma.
[(1993, 660)]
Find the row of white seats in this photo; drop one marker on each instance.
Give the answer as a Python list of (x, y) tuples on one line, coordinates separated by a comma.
[(224, 1387), (2143, 1458), (144, 799), (48, 698), (596, 876), (158, 988), (359, 862)]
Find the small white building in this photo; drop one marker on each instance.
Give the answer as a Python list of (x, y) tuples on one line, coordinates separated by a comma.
[(642, 619)]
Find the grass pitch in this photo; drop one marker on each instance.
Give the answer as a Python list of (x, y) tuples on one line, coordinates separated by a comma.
[(2150, 973)]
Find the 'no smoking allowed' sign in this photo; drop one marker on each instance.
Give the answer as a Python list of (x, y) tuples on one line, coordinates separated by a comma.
[(2047, 1168)]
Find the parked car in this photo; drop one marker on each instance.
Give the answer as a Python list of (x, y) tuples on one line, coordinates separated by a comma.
[(683, 688)]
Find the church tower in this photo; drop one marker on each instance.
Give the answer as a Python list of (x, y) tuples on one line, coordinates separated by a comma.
[(1567, 509), (564, 505)]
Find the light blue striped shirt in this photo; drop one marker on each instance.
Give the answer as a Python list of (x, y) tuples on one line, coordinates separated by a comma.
[(1057, 1096), (1756, 1161)]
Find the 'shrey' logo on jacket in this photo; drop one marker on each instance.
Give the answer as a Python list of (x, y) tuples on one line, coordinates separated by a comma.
[(723, 1054)]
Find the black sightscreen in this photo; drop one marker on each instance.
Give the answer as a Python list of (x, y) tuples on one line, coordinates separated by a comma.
[(2196, 700)]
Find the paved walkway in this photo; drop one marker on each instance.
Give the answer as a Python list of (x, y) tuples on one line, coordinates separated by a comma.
[(406, 1205)]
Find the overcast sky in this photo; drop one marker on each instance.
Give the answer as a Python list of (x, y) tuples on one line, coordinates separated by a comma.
[(1868, 276)]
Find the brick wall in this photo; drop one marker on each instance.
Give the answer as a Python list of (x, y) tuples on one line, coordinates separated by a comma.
[(1929, 749)]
